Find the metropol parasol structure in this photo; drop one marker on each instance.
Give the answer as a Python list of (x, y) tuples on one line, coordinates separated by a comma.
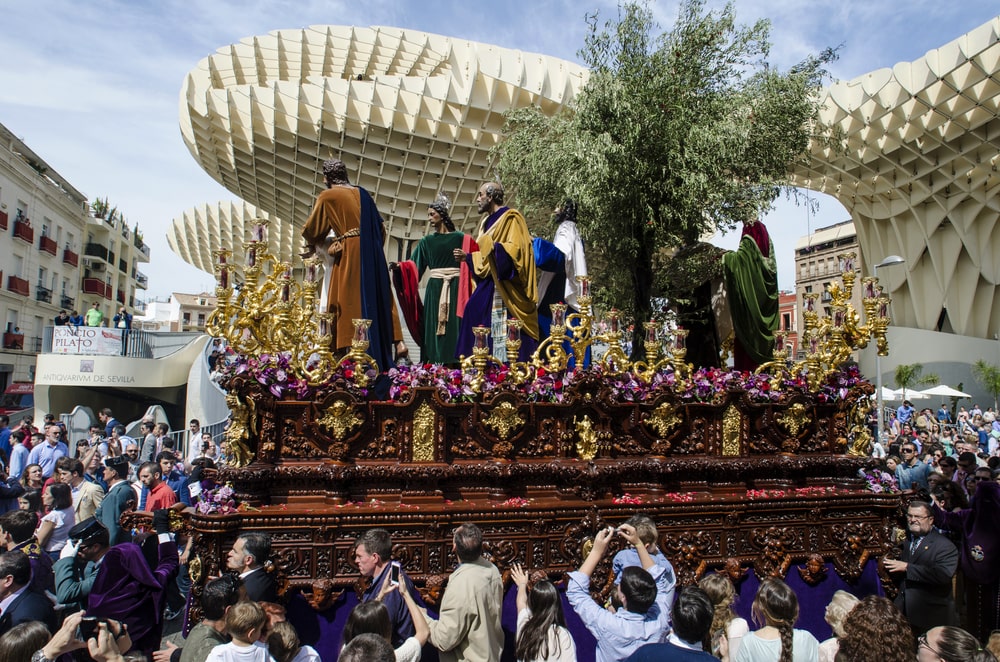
[(414, 114)]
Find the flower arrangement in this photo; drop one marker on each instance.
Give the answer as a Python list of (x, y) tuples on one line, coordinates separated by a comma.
[(880, 482), (707, 385), (216, 501)]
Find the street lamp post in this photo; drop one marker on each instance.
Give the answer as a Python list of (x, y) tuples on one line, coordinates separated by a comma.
[(887, 262)]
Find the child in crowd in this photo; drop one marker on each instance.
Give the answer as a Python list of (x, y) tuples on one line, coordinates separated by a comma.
[(285, 646), (629, 557), (244, 622)]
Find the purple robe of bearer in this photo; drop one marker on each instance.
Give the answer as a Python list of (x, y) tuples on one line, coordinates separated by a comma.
[(127, 589)]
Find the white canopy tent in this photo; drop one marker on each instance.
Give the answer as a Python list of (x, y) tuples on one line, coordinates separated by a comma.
[(945, 392)]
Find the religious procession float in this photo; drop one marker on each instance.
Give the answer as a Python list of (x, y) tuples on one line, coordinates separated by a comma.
[(752, 474)]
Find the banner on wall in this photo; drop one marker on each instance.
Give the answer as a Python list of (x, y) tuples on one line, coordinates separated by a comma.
[(92, 340)]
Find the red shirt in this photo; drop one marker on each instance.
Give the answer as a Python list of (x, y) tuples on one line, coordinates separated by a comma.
[(160, 496)]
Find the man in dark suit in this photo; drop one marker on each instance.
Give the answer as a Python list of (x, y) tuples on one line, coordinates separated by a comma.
[(19, 603), (924, 572), (691, 616), (248, 557)]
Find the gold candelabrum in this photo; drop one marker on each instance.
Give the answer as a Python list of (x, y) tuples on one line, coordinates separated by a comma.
[(830, 339), (270, 312)]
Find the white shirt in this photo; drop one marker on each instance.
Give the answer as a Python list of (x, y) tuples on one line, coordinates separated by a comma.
[(559, 640)]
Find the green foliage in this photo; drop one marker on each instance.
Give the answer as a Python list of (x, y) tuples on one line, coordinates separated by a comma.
[(674, 136), (909, 375), (988, 375)]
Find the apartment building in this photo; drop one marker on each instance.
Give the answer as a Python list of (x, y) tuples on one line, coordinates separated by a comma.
[(55, 254)]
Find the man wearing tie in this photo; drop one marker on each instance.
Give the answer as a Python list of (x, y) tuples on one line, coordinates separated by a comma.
[(924, 572)]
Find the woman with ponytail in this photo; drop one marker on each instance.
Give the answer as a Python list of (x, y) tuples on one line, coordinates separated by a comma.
[(776, 609), (951, 644), (725, 624)]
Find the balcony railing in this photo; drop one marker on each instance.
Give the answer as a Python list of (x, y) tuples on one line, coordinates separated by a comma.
[(96, 250), (67, 302), (142, 279), (96, 286), (13, 341), (43, 294), (71, 258), (3, 220), (18, 285), (48, 244), (24, 231)]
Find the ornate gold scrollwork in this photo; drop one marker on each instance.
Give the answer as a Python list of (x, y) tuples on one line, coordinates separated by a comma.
[(731, 423), (340, 419), (504, 419), (194, 569), (664, 419), (795, 419), (423, 434)]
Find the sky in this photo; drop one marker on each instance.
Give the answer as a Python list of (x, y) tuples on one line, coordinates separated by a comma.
[(93, 87)]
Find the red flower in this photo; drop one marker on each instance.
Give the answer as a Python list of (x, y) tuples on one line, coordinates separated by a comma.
[(540, 372), (349, 373)]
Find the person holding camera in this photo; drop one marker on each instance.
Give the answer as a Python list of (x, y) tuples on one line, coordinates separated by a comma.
[(373, 556)]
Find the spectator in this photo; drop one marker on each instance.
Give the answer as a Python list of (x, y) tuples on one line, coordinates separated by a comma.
[(53, 530), (646, 530), (643, 593), (203, 448), (159, 494), (193, 435), (924, 572), (244, 622), (905, 412), (87, 496), (468, 626), (373, 556), (978, 532), (94, 316), (367, 648), (373, 617), (5, 434), (18, 454), (109, 421), (284, 645), (18, 602), (122, 319), (951, 644), (248, 557), (692, 621), (47, 453), (149, 446), (840, 606), (75, 318), (216, 598), (541, 626), (174, 479), (119, 499), (21, 641), (10, 490), (911, 474), (875, 630), (31, 501), (17, 533), (776, 608), (725, 624)]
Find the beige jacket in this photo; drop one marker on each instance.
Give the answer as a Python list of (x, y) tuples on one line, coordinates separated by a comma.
[(468, 627)]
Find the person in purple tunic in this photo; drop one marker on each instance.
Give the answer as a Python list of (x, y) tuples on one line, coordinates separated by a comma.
[(979, 547)]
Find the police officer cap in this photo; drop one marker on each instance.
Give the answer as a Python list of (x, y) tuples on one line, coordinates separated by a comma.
[(118, 463), (87, 529)]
